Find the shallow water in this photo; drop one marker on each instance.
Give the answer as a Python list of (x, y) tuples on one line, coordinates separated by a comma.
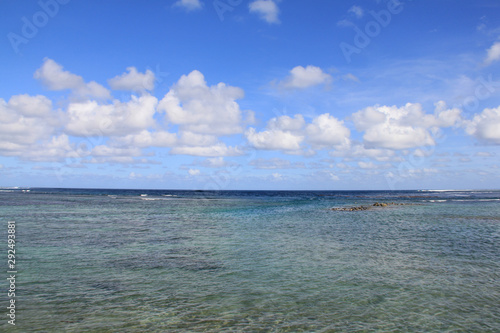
[(185, 261)]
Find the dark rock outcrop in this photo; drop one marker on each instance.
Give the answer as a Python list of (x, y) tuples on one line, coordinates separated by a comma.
[(376, 204)]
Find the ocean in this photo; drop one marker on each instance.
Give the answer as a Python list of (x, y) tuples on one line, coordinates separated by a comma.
[(252, 261)]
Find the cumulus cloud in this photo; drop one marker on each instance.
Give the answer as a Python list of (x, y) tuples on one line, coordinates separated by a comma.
[(198, 140), (282, 133), (326, 131), (305, 77), (24, 121), (402, 128), (201, 112), (198, 108), (29, 129), (493, 54), (53, 77), (267, 10), (443, 116), (290, 134), (90, 118), (274, 139), (146, 139), (31, 106), (485, 126), (133, 81), (189, 5), (56, 149)]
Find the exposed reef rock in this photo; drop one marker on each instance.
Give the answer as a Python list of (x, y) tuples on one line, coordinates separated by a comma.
[(351, 209), (376, 204)]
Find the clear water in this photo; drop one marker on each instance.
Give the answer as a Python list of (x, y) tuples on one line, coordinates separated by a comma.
[(185, 261)]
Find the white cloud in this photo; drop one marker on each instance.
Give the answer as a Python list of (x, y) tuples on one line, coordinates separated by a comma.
[(193, 139), (402, 128), (54, 150), (118, 119), (485, 126), (133, 81), (397, 137), (215, 162), (203, 113), (305, 77), (201, 109), (52, 76), (31, 106), (282, 133), (357, 11), (493, 54), (189, 5), (289, 134), (24, 121), (267, 9), (194, 172), (274, 139), (146, 139), (444, 117), (326, 131)]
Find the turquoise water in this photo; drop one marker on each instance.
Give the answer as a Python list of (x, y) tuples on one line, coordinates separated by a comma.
[(185, 261)]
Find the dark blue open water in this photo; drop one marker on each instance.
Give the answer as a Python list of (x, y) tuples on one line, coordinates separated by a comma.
[(250, 261)]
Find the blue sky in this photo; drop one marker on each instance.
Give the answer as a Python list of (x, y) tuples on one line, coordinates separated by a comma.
[(256, 94)]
